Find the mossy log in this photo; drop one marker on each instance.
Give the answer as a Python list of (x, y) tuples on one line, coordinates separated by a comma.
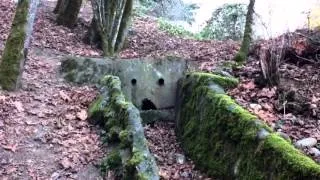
[(228, 142), (123, 124), (14, 53)]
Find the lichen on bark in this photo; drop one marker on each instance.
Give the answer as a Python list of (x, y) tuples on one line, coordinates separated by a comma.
[(12, 60), (241, 56)]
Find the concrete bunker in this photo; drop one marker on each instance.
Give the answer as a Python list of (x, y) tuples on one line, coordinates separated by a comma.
[(222, 138), (150, 84)]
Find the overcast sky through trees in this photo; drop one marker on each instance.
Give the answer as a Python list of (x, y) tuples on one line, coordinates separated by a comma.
[(279, 15)]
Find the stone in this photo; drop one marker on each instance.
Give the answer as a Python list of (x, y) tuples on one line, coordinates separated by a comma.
[(185, 174), (315, 152), (180, 158), (262, 133), (55, 176), (306, 142), (255, 107), (313, 106)]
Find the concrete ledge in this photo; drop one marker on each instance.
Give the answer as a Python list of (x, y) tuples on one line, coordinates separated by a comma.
[(228, 142), (131, 158)]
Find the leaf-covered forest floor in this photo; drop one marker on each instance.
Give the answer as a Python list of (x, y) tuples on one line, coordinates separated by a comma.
[(43, 129)]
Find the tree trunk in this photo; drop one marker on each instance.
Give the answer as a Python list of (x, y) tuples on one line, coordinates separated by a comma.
[(241, 56), (58, 6), (68, 12), (92, 36), (110, 24)]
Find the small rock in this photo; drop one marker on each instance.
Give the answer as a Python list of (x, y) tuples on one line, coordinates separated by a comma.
[(65, 163), (55, 176), (262, 133), (255, 107), (180, 158), (300, 122), (306, 142), (185, 174), (313, 106), (315, 152)]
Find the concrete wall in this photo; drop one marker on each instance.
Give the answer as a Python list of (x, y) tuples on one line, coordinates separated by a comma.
[(228, 142), (154, 79)]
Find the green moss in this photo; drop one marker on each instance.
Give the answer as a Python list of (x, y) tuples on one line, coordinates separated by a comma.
[(142, 176), (175, 30), (69, 65), (125, 139), (95, 111), (113, 134), (296, 159), (201, 78), (116, 113), (114, 160), (13, 53), (136, 159), (240, 57), (223, 139)]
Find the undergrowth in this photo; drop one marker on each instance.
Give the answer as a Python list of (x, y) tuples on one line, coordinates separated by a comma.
[(177, 30)]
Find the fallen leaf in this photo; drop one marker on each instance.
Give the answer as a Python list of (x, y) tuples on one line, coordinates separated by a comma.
[(64, 96), (250, 85), (70, 116), (2, 98), (12, 147), (18, 106), (65, 163), (82, 115), (163, 174)]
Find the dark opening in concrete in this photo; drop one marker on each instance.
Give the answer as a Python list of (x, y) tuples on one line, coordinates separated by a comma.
[(148, 105), (133, 82), (161, 82)]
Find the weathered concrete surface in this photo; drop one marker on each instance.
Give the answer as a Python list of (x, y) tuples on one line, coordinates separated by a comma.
[(152, 79), (228, 142)]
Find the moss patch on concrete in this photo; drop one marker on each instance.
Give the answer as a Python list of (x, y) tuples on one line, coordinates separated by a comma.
[(13, 54), (228, 142), (122, 122)]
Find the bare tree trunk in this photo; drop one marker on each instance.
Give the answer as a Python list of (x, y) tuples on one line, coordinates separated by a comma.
[(58, 6), (92, 36), (110, 23), (241, 56), (68, 12)]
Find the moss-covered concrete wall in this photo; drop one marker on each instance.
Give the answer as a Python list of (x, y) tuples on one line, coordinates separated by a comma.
[(131, 158), (228, 142)]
